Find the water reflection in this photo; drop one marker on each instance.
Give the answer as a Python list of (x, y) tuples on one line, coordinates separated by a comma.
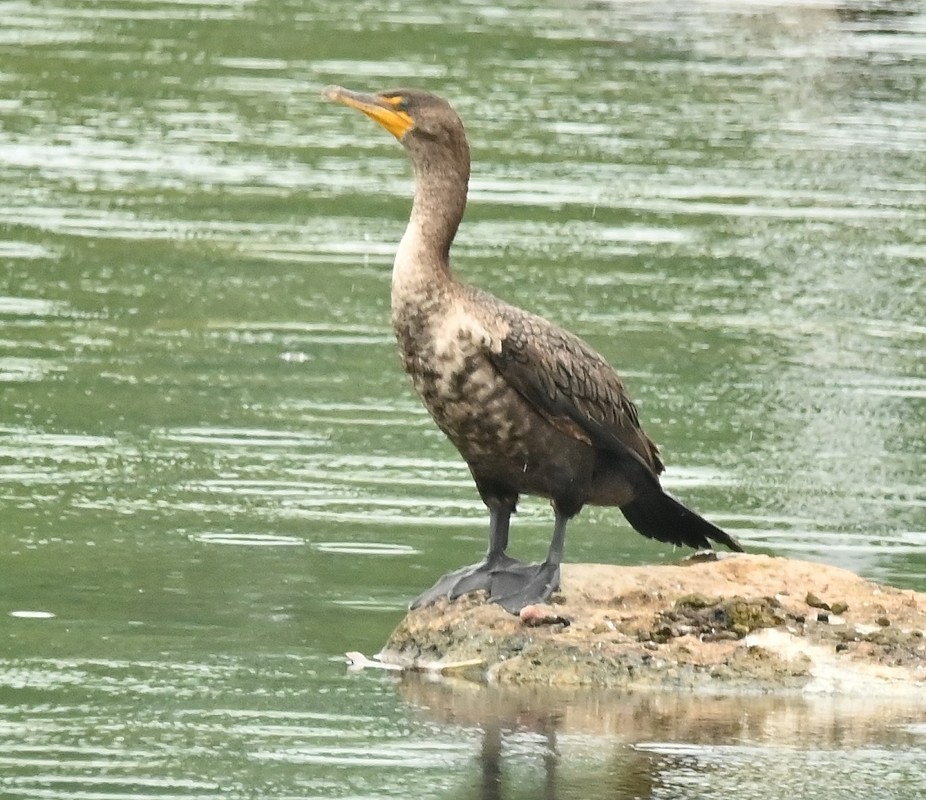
[(554, 745)]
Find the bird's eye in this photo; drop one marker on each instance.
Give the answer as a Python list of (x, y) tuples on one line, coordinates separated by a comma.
[(398, 102)]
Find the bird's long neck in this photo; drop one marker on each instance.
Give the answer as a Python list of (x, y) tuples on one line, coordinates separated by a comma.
[(422, 263)]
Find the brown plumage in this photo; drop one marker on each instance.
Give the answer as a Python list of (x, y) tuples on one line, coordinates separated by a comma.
[(531, 407)]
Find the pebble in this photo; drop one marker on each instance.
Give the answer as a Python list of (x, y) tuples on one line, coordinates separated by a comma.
[(534, 615)]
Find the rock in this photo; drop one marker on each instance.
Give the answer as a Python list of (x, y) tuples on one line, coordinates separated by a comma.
[(815, 602), (737, 623), (535, 615)]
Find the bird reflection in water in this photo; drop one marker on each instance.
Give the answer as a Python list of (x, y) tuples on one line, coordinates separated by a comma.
[(631, 745), (519, 752), (628, 775)]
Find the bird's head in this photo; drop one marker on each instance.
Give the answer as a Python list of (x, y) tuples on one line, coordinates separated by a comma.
[(425, 123)]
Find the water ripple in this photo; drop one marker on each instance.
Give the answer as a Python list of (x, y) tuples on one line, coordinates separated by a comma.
[(243, 437), (248, 539), (31, 307), (365, 548)]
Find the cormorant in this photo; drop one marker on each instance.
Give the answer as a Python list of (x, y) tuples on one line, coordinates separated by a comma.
[(532, 408)]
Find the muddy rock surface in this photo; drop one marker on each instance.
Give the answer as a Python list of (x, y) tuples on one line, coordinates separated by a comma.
[(743, 622)]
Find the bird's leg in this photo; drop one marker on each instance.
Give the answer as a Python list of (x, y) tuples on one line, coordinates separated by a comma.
[(499, 522), (517, 588), (479, 576)]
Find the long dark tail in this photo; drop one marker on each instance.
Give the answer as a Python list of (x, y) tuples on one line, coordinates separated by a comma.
[(658, 515)]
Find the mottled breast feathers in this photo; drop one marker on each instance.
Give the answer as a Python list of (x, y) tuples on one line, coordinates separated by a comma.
[(570, 385)]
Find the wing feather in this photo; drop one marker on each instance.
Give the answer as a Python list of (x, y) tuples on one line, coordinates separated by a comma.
[(572, 386)]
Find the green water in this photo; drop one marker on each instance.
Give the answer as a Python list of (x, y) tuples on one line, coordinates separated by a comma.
[(214, 479)]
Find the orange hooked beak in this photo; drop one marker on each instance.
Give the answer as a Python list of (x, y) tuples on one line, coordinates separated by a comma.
[(384, 109)]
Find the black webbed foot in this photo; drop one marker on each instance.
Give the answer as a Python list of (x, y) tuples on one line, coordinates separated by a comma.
[(476, 577), (508, 582), (533, 583)]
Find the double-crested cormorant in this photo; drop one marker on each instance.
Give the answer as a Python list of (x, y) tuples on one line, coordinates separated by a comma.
[(531, 407)]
